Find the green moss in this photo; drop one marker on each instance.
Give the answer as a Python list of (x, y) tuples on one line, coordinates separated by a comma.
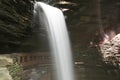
[(16, 71)]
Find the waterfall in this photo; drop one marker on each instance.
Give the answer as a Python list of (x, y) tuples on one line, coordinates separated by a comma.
[(53, 20)]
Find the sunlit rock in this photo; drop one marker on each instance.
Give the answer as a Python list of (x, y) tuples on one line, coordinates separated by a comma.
[(4, 74), (111, 50), (5, 60)]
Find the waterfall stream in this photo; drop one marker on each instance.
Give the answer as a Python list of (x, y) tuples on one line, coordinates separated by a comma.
[(53, 20)]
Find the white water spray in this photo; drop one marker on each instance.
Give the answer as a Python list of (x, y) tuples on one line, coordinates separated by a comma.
[(52, 18)]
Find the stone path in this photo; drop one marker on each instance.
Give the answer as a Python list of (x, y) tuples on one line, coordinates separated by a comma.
[(91, 67)]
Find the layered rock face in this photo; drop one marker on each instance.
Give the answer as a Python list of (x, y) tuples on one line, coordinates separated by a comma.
[(15, 22)]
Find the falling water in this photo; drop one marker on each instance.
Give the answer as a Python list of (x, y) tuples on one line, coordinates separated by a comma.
[(52, 18)]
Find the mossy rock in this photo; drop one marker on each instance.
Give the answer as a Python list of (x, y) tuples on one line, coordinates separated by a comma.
[(16, 71)]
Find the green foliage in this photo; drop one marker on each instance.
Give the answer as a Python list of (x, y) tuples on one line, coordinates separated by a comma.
[(16, 71)]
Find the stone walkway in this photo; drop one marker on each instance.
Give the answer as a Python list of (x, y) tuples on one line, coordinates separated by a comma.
[(90, 67)]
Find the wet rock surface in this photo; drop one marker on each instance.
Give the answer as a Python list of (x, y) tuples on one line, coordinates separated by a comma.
[(37, 73)]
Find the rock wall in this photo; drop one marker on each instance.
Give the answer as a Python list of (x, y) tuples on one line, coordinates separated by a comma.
[(15, 21), (111, 51)]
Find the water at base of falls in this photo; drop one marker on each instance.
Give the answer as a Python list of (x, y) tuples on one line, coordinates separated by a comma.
[(53, 20)]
